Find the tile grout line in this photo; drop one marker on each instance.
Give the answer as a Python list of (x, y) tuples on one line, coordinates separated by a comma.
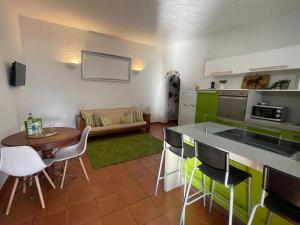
[(119, 190), (136, 222), (128, 205)]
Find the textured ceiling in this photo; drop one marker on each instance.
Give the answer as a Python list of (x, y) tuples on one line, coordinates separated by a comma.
[(152, 21)]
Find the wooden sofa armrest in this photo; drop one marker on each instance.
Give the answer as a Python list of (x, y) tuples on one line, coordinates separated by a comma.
[(80, 123), (147, 118)]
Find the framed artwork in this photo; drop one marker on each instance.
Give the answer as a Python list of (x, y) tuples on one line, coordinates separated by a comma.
[(256, 81), (105, 67)]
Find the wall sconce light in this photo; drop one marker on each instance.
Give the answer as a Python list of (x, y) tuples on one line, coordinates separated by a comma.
[(136, 71), (137, 66), (72, 64)]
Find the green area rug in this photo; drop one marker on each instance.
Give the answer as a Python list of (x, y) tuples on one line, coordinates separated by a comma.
[(114, 149)]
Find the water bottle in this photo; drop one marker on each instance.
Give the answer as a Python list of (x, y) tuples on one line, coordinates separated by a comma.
[(30, 124)]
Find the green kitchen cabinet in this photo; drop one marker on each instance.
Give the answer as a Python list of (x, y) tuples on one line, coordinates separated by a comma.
[(207, 103), (274, 132), (290, 135)]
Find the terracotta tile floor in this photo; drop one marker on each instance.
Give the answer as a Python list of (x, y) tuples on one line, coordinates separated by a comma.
[(117, 195)]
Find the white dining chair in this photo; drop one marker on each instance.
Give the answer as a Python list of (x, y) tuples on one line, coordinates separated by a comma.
[(23, 161), (73, 152)]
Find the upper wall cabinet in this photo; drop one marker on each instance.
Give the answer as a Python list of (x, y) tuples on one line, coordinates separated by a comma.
[(276, 59)]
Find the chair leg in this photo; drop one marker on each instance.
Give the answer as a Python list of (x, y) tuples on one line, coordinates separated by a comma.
[(182, 217), (185, 177), (204, 187), (12, 195), (24, 184), (83, 168), (180, 173), (270, 218), (48, 178), (64, 174), (231, 205), (212, 187), (252, 214), (249, 195), (30, 181), (39, 190), (159, 171)]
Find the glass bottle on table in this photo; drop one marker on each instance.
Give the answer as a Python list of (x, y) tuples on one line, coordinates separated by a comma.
[(30, 124)]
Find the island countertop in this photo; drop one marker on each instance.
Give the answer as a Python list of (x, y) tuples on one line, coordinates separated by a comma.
[(205, 133)]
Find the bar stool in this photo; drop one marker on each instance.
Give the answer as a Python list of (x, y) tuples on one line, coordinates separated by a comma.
[(283, 195), (215, 165), (173, 141)]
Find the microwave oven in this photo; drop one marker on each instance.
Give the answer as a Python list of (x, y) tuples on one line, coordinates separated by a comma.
[(268, 112)]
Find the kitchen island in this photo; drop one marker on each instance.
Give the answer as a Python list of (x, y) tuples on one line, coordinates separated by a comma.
[(246, 157)]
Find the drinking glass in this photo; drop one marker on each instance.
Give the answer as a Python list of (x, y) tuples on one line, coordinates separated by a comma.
[(51, 128)]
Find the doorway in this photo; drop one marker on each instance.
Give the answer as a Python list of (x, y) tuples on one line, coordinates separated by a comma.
[(173, 82)]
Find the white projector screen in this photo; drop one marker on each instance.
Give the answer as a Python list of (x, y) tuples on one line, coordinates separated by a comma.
[(105, 67)]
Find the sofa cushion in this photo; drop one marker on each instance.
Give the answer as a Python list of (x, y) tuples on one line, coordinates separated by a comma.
[(113, 114), (105, 121), (138, 115), (115, 127), (127, 118), (97, 120), (89, 118)]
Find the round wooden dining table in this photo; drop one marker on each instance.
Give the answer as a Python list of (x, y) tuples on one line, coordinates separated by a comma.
[(65, 136)]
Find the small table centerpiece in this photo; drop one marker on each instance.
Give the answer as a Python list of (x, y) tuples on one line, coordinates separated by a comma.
[(34, 128)]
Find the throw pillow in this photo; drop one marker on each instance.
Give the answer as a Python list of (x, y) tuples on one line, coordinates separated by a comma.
[(105, 121), (127, 118), (89, 118), (97, 120), (138, 115)]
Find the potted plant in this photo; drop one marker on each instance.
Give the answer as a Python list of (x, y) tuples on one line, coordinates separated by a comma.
[(281, 84), (222, 83), (285, 83)]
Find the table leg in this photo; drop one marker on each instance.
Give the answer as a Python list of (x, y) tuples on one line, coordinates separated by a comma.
[(48, 154)]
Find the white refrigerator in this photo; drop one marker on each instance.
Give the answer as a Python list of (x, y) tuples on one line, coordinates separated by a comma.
[(187, 109)]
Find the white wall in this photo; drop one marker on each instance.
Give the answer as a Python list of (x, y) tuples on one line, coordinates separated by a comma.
[(189, 57), (57, 93), (10, 51)]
